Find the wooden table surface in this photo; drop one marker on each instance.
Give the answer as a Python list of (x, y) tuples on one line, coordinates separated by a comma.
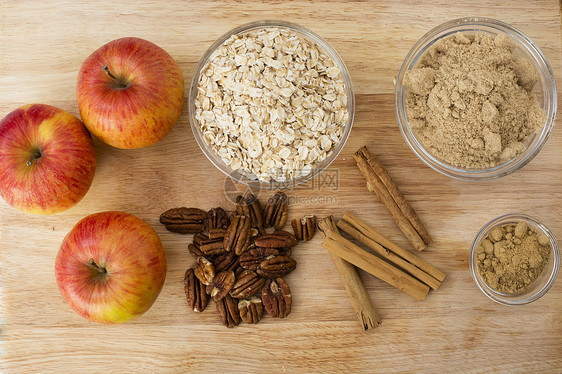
[(457, 328)]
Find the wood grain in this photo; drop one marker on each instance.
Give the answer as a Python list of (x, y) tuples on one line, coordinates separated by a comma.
[(42, 45)]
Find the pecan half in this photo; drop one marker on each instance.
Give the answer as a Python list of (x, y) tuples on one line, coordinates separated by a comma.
[(217, 218), (227, 309), (276, 298), (251, 311), (221, 285), (254, 256), (237, 236), (207, 246), (249, 206), (204, 270), (275, 211), (198, 239), (195, 291), (278, 239), (226, 262), (304, 228), (212, 247), (276, 267), (248, 283), (195, 252), (218, 233), (184, 220)]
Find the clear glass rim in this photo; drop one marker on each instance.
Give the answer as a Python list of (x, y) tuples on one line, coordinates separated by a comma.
[(522, 41), (495, 295), (216, 160)]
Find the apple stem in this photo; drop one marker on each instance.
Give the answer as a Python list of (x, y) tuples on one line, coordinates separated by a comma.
[(34, 157), (93, 264), (119, 82)]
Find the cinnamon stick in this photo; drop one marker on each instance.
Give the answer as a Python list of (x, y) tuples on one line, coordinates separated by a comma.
[(375, 185), (397, 196), (356, 290), (358, 294), (371, 233), (341, 247), (388, 255)]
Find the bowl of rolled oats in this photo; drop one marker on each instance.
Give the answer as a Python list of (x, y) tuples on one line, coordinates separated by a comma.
[(271, 104)]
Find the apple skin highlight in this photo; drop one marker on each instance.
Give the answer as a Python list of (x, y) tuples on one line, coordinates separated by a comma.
[(47, 159), (129, 272), (130, 93)]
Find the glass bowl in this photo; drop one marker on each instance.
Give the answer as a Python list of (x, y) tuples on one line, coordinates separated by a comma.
[(536, 289), (545, 90), (326, 48)]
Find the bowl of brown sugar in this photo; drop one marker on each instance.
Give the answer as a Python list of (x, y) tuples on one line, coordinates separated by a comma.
[(514, 259), (475, 99)]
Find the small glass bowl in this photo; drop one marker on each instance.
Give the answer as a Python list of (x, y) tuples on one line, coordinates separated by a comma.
[(326, 48), (536, 289), (545, 90)]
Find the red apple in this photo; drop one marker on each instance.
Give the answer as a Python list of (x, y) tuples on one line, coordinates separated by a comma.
[(130, 93), (110, 267), (47, 159)]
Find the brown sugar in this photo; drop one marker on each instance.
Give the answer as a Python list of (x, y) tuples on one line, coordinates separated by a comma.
[(512, 256), (469, 101)]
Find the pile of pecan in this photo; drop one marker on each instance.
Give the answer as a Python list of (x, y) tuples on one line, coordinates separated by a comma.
[(237, 262)]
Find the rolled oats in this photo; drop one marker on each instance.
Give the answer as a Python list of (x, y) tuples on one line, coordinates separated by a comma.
[(271, 104)]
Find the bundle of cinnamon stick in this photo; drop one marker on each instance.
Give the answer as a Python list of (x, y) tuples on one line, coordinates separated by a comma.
[(389, 262), (379, 182)]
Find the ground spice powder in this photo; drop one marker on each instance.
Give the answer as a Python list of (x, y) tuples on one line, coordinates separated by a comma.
[(470, 100), (512, 256)]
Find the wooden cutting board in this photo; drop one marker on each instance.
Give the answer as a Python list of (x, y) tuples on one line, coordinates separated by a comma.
[(42, 45)]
